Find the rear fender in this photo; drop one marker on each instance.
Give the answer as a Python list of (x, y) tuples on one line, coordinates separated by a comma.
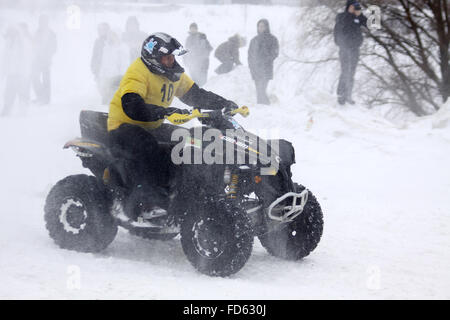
[(93, 156), (97, 158), (86, 148)]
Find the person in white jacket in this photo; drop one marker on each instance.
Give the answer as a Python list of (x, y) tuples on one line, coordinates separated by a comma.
[(44, 48), (133, 38), (16, 68), (111, 64)]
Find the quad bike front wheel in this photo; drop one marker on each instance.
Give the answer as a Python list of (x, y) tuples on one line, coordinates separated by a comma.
[(297, 239), (77, 216), (217, 239)]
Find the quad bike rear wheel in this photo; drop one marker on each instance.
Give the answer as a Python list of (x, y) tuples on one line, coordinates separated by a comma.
[(77, 215), (297, 239)]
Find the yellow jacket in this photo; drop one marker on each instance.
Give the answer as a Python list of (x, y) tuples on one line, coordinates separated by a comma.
[(153, 88)]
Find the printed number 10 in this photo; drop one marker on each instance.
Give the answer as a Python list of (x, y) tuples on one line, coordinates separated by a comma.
[(169, 93)]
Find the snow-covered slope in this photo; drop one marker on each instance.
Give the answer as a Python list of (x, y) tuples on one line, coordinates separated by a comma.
[(384, 188)]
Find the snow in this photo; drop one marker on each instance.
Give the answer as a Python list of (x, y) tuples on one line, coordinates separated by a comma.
[(384, 186)]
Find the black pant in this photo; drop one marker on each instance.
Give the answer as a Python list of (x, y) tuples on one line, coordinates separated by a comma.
[(16, 87), (261, 95), (42, 83), (349, 60), (145, 162), (225, 67)]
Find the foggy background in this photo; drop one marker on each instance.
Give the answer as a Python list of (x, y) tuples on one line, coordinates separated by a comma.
[(379, 171)]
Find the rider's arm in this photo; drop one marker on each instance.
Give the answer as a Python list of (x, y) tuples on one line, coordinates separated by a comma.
[(363, 20), (135, 107), (200, 98)]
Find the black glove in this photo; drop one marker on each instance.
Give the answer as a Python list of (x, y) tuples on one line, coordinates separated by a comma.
[(213, 115), (169, 111), (230, 106)]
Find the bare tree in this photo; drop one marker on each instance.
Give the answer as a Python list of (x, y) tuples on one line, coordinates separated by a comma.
[(406, 62), (413, 44)]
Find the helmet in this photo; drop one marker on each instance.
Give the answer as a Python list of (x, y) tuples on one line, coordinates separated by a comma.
[(158, 45)]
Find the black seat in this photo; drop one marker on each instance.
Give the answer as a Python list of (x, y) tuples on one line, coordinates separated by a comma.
[(93, 126)]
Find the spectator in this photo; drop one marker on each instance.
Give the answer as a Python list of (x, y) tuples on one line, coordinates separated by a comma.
[(348, 37), (197, 58), (228, 54), (102, 31), (262, 52), (27, 64), (17, 67), (133, 38), (109, 61), (44, 47)]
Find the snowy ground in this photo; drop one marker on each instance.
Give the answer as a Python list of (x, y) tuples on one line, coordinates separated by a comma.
[(384, 187)]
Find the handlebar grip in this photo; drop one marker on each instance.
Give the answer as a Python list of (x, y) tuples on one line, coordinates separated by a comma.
[(243, 111), (177, 118)]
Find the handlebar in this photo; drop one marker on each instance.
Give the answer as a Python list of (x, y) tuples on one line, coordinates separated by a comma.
[(243, 111), (178, 119)]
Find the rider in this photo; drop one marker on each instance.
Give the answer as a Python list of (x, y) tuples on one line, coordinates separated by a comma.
[(142, 101)]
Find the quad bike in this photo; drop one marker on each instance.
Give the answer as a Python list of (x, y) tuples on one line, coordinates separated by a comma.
[(217, 209)]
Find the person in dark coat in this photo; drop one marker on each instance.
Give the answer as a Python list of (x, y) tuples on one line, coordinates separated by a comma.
[(103, 29), (228, 53), (16, 60), (262, 52), (348, 37), (197, 58)]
